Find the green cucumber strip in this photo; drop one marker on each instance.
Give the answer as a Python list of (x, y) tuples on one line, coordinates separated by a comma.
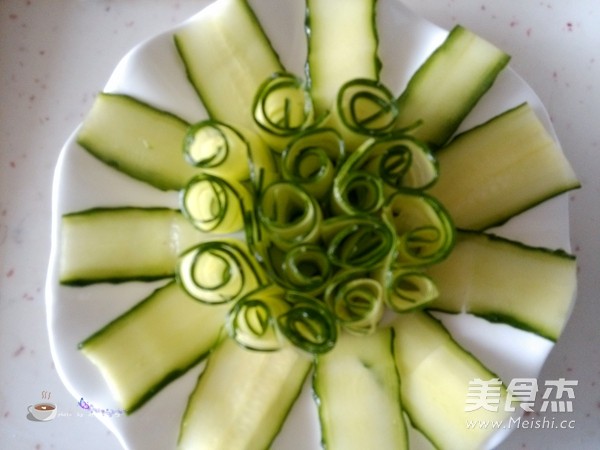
[(217, 149), (355, 188), (409, 289), (308, 324), (435, 373), (252, 322), (215, 205), (424, 228), (233, 154), (304, 268), (363, 108), (361, 241), (377, 169), (112, 244), (219, 271), (401, 161), (289, 215), (312, 159), (506, 281), (356, 300), (242, 398), (342, 46), (366, 106), (137, 139), (448, 85), (153, 343), (500, 169), (227, 57), (282, 109), (357, 390)]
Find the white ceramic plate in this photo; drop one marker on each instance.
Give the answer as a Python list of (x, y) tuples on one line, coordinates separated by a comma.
[(153, 72)]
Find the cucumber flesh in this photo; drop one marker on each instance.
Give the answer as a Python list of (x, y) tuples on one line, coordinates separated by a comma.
[(137, 139), (499, 169), (358, 393), (113, 244), (435, 373), (155, 342), (242, 398), (506, 281), (227, 57), (342, 46), (448, 85)]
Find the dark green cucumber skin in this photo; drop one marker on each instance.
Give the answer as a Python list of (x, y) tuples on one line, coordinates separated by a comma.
[(469, 104), (495, 237), (82, 282), (504, 318), (171, 376)]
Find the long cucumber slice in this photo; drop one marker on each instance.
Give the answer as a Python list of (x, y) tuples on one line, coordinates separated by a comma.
[(242, 398), (358, 393), (448, 85), (137, 139), (227, 57), (123, 244), (500, 169), (505, 281), (342, 46), (435, 373), (155, 342)]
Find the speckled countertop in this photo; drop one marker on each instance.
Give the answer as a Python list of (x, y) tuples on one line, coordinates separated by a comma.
[(55, 55)]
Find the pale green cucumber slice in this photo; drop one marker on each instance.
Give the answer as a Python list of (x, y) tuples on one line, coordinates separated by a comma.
[(242, 398), (342, 46), (137, 139), (501, 168), (155, 342), (506, 281), (448, 85), (123, 244), (227, 57), (357, 390), (435, 373)]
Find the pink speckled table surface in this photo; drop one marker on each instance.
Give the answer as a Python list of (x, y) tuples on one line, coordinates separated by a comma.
[(56, 55)]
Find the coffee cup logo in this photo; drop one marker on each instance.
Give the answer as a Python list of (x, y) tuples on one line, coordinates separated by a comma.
[(43, 411)]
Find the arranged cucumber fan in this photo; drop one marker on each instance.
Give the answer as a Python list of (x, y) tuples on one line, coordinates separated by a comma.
[(322, 216)]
